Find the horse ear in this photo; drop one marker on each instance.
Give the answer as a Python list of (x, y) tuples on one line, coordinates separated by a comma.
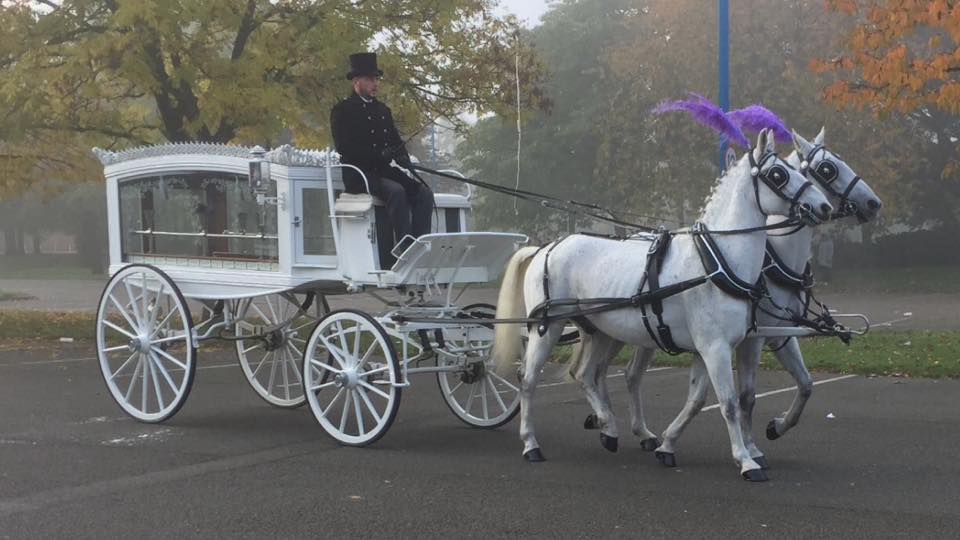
[(761, 142), (771, 141), (802, 145), (819, 140)]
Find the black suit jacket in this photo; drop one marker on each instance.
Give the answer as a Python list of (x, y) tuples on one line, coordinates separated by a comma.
[(361, 132)]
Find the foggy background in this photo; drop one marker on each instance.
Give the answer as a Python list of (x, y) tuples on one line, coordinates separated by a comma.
[(590, 136)]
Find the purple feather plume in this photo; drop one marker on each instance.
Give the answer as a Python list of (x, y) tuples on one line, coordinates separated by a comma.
[(703, 111), (754, 118)]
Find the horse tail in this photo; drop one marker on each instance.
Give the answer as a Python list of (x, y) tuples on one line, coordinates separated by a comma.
[(510, 305)]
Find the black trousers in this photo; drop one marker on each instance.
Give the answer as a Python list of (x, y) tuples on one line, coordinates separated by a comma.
[(409, 203)]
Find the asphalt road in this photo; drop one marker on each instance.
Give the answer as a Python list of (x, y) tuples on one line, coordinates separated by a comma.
[(229, 465)]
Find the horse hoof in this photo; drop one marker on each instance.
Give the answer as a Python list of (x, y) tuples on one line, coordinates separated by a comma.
[(755, 475), (534, 456), (651, 444), (667, 459), (762, 462), (591, 422), (772, 431), (610, 443)]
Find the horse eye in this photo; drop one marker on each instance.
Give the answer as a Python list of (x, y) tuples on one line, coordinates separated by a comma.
[(827, 171), (779, 176)]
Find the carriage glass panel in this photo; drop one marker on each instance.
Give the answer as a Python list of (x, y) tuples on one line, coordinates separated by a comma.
[(315, 243), (198, 219), (317, 231)]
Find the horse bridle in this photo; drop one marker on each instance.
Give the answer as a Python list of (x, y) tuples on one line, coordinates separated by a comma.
[(776, 178), (826, 173)]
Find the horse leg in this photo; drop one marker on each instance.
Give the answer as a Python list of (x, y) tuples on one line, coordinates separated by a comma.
[(748, 361), (538, 351), (792, 360), (597, 351), (642, 358), (719, 367), (696, 397)]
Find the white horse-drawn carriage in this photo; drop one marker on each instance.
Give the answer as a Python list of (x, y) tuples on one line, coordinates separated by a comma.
[(255, 241), (215, 242)]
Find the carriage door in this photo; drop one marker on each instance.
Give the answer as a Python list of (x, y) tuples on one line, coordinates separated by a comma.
[(312, 232)]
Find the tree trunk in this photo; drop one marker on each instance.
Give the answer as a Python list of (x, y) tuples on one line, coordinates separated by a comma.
[(14, 239)]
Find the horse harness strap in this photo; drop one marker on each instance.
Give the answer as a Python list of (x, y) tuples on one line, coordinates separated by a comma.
[(651, 278), (584, 323), (717, 270), (826, 173), (780, 273), (800, 285)]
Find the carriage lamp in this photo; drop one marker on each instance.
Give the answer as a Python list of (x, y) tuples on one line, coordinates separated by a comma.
[(260, 177)]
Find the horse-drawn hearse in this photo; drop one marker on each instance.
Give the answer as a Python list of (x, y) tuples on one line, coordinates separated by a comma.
[(240, 244), (253, 243)]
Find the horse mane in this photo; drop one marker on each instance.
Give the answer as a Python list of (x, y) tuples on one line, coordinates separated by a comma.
[(709, 207)]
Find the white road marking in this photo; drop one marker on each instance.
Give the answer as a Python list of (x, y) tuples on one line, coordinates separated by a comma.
[(68, 360), (788, 389), (617, 374), (891, 323), (61, 361)]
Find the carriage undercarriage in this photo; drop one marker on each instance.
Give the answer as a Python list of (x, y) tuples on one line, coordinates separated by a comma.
[(348, 365)]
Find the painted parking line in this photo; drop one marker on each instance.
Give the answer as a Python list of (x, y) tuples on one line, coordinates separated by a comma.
[(88, 359), (60, 361), (617, 374), (788, 389)]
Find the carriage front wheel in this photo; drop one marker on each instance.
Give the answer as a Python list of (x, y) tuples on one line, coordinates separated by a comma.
[(145, 343), (349, 370)]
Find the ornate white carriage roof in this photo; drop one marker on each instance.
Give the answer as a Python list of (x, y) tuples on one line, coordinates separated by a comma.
[(283, 155)]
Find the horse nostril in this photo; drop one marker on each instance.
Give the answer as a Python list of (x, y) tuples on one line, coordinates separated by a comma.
[(874, 204), (825, 208)]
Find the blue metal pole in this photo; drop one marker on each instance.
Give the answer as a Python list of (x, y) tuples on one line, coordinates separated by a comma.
[(723, 64)]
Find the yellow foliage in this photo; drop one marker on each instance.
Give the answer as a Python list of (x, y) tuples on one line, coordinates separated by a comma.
[(79, 73)]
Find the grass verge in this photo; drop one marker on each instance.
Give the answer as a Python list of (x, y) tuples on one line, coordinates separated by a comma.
[(915, 353), (919, 353), (45, 266)]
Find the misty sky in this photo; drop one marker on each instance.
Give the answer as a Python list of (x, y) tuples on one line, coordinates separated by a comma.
[(529, 10)]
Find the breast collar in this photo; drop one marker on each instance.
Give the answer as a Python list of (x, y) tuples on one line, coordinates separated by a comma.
[(780, 273), (719, 271)]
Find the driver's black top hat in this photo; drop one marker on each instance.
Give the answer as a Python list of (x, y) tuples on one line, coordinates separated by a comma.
[(363, 64)]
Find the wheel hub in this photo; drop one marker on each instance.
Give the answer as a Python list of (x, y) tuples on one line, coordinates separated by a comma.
[(275, 340), (472, 372), (346, 379), (139, 344)]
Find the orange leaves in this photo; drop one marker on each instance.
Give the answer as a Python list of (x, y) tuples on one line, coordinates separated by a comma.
[(947, 98), (887, 68), (936, 11), (847, 7)]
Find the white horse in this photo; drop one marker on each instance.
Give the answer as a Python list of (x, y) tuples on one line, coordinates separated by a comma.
[(854, 197), (703, 318)]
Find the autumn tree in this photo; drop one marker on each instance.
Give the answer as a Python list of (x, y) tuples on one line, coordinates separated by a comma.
[(611, 62), (74, 73), (902, 60)]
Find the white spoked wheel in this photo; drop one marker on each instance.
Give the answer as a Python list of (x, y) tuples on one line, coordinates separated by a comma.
[(349, 369), (271, 356), (477, 395), (145, 343)]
